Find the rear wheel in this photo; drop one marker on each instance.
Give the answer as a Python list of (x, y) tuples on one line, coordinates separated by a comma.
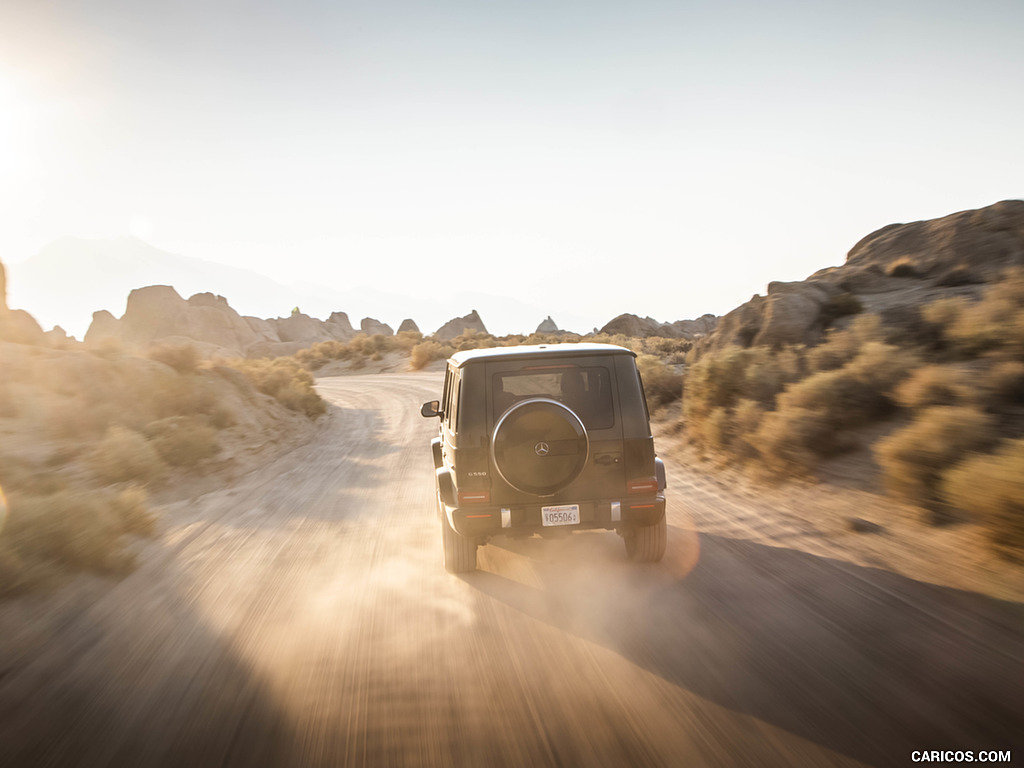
[(646, 543), (459, 552)]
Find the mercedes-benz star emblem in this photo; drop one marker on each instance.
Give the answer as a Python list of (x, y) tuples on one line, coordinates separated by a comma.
[(541, 449)]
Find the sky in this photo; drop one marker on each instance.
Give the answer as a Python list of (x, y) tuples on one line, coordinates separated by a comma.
[(592, 158)]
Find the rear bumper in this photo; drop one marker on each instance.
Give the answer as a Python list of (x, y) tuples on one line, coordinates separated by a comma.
[(482, 521)]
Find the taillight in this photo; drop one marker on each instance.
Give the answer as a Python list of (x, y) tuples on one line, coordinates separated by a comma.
[(474, 497), (647, 485)]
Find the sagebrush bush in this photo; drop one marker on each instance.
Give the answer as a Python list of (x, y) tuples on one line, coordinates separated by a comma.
[(427, 352), (933, 385), (1005, 382), (286, 380), (841, 346), (992, 487), (125, 455), (913, 458), (662, 385), (184, 358), (76, 529), (182, 441), (793, 441)]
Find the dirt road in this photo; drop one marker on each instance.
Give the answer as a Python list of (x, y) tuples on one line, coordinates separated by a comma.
[(302, 617)]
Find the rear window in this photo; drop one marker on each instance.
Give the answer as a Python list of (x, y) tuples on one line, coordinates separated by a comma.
[(587, 391)]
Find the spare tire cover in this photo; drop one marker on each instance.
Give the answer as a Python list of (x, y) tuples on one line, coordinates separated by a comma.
[(539, 446)]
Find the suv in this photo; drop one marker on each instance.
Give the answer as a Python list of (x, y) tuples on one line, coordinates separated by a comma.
[(545, 439)]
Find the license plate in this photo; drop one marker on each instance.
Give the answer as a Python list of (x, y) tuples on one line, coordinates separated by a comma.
[(564, 514)]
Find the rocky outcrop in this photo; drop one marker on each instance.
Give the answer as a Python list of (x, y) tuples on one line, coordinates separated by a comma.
[(372, 327), (548, 326), (104, 326), (264, 329), (459, 326), (639, 327), (158, 313), (888, 272), (408, 326), (339, 327), (695, 329), (984, 241), (300, 327), (17, 325)]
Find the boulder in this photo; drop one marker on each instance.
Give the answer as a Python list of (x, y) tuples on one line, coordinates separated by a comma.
[(58, 338), (103, 326), (339, 327), (19, 326), (408, 326), (300, 327), (372, 327), (548, 326), (459, 326)]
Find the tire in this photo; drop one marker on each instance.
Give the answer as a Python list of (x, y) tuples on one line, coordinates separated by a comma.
[(646, 543), (539, 446), (459, 552)]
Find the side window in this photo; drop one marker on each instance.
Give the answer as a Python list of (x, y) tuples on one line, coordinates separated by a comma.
[(446, 392), (451, 402), (456, 402)]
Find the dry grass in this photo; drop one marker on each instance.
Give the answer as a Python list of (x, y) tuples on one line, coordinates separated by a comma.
[(286, 380), (914, 458), (992, 487)]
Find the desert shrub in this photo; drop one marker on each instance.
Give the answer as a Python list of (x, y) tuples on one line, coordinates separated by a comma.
[(993, 488), (284, 379), (427, 352), (182, 441), (945, 312), (793, 440), (903, 267), (913, 458), (662, 385), (406, 340), (841, 346), (725, 378), (933, 385), (993, 323), (1005, 382), (746, 420), (184, 358), (125, 455), (77, 529)]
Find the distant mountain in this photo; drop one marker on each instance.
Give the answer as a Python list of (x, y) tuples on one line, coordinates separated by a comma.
[(72, 277)]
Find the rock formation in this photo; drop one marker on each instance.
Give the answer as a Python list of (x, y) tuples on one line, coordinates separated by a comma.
[(459, 326), (548, 326), (408, 326), (372, 327), (890, 272), (17, 325), (632, 325), (339, 327)]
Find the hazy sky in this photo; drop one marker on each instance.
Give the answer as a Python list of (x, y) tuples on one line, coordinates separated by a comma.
[(663, 158)]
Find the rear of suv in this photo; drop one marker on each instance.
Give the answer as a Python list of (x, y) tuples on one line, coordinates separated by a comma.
[(545, 439)]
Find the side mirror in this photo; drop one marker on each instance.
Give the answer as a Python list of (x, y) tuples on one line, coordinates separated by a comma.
[(433, 408)]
